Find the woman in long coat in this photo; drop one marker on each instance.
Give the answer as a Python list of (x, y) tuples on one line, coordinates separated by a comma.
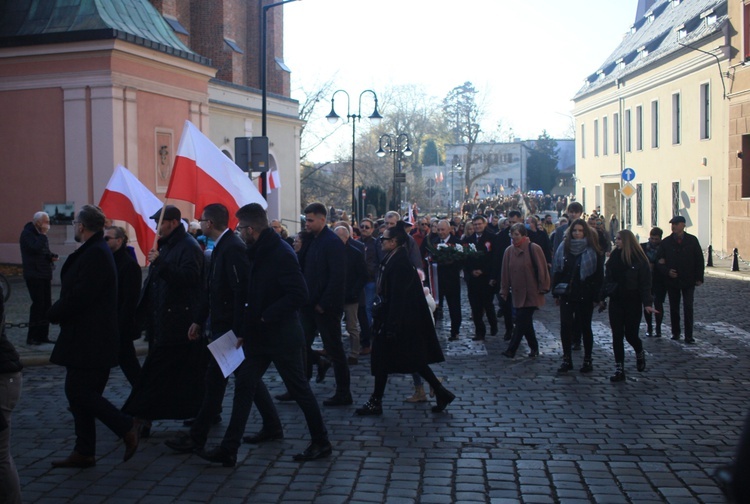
[(404, 339), (525, 273)]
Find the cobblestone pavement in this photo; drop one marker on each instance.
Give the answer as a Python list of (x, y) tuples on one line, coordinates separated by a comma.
[(517, 431)]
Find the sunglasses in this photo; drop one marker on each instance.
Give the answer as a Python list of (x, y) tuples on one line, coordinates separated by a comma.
[(383, 238)]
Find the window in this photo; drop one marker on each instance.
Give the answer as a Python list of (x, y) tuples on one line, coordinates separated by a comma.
[(676, 119), (583, 140), (628, 213), (705, 101), (654, 124), (654, 204), (746, 30), (639, 205), (605, 135), (639, 128), (616, 131), (628, 129), (675, 198), (583, 198), (596, 137)]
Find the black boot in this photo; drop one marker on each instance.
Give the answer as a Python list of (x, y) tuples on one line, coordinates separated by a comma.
[(619, 373), (567, 364), (444, 397), (374, 406), (640, 360), (587, 366)]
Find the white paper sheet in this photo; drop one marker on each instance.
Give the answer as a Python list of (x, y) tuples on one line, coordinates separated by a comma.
[(225, 351)]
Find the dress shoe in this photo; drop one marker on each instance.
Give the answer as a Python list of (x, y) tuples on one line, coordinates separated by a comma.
[(453, 337), (131, 439), (352, 361), (264, 435), (690, 341), (76, 460), (315, 451), (323, 367), (183, 443), (533, 354), (658, 333), (190, 421), (676, 337), (507, 335), (339, 400), (218, 455), (508, 354), (286, 396), (365, 351)]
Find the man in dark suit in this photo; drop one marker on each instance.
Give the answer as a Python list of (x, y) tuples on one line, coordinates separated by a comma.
[(481, 275), (449, 279), (223, 303), (271, 333), (129, 279), (323, 260), (38, 263), (88, 342), (680, 260)]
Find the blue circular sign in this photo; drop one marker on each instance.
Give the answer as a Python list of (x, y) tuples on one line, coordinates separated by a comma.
[(628, 174)]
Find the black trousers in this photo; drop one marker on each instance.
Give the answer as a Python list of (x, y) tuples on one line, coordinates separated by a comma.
[(625, 321), (40, 291), (675, 293), (328, 325), (84, 389), (480, 300), (128, 360), (451, 292), (575, 318), (524, 327), (659, 292)]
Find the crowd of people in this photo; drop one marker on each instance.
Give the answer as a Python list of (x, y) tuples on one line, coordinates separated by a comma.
[(386, 280)]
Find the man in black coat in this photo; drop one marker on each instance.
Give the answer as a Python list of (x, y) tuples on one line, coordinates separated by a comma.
[(449, 279), (680, 260), (38, 263), (356, 276), (271, 333), (323, 260), (128, 291), (658, 282), (171, 382), (88, 343), (222, 302), (482, 275)]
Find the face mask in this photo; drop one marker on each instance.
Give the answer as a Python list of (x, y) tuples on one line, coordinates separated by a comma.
[(527, 226)]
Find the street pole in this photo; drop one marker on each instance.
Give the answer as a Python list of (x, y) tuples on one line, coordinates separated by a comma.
[(397, 150)]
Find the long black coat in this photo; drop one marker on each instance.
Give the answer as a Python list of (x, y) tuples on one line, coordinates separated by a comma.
[(35, 253), (323, 261), (356, 272), (87, 308), (405, 337), (129, 279), (224, 299), (172, 291), (449, 275), (276, 291), (685, 257)]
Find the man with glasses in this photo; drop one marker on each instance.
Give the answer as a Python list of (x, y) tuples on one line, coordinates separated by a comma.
[(128, 291)]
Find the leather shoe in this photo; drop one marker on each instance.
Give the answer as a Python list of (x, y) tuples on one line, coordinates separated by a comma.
[(323, 366), (676, 338), (315, 451), (507, 335), (264, 435), (183, 444), (453, 337), (286, 396), (339, 400), (131, 439), (76, 460), (690, 341), (218, 455), (508, 354)]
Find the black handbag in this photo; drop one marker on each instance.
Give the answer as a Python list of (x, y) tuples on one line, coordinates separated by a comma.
[(562, 289)]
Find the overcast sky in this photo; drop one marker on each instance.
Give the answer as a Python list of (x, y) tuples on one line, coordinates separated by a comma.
[(529, 57)]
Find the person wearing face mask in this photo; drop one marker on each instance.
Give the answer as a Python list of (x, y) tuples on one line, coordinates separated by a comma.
[(38, 263), (577, 265), (658, 286)]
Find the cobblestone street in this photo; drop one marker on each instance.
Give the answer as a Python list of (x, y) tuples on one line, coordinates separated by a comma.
[(517, 432)]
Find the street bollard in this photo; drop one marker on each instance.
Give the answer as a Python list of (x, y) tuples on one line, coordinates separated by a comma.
[(735, 260), (710, 260)]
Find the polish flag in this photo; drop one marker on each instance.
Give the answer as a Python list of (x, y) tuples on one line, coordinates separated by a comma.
[(274, 180), (202, 175), (126, 198)]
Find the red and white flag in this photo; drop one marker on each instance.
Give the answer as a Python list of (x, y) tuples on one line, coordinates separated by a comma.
[(202, 175), (126, 198), (274, 180)]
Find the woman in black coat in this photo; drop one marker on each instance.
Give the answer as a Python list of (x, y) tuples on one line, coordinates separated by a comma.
[(404, 334), (628, 280)]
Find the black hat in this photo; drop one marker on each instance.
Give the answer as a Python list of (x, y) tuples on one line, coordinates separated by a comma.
[(171, 212), (677, 219)]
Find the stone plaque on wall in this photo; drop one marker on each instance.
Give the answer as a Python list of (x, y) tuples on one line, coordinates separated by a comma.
[(163, 157)]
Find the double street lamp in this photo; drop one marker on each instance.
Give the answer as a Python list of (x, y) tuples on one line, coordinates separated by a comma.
[(456, 167), (395, 147), (375, 118)]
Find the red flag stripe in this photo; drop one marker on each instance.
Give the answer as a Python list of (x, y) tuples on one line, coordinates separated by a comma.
[(118, 206)]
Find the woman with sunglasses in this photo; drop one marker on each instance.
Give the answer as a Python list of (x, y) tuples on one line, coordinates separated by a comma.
[(404, 338)]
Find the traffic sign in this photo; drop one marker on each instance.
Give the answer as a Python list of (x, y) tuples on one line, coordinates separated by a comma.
[(430, 192), (430, 182), (628, 174), (627, 190)]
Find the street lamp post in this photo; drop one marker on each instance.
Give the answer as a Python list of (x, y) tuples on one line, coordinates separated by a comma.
[(394, 147), (453, 191), (374, 118), (264, 83)]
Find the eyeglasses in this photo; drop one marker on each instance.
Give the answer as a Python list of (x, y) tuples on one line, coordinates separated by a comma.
[(366, 227), (107, 238), (205, 220), (240, 228), (384, 238)]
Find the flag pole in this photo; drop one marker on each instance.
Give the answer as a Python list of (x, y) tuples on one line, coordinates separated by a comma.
[(161, 218)]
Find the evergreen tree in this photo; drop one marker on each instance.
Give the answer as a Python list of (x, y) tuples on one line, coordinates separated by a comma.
[(541, 165)]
